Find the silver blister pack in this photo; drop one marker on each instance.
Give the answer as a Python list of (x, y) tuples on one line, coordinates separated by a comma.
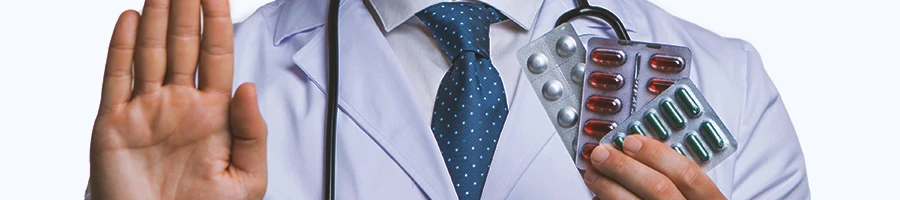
[(681, 118), (554, 65), (621, 77)]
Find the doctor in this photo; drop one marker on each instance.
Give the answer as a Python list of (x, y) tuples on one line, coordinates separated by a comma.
[(160, 133)]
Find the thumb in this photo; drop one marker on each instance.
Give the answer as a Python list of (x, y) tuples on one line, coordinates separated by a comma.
[(248, 144)]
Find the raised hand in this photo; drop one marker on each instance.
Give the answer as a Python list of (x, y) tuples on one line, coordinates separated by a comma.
[(158, 135)]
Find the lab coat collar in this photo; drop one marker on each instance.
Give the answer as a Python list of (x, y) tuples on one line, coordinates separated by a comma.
[(392, 13), (298, 16)]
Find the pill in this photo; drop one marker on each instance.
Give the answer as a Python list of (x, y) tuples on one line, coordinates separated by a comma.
[(578, 73), (678, 149), (666, 63), (711, 133), (552, 90), (636, 129), (606, 81), (537, 63), (697, 147), (599, 128), (653, 120), (619, 140), (587, 149), (567, 116), (658, 85), (674, 116), (602, 104), (608, 57), (566, 46), (688, 102)]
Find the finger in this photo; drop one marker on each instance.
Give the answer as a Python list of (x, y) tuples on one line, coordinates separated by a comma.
[(637, 178), (183, 42), (248, 147), (217, 47), (684, 173), (150, 54), (605, 188), (117, 75)]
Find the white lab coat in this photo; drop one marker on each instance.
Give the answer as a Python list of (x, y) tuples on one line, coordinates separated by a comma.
[(385, 148)]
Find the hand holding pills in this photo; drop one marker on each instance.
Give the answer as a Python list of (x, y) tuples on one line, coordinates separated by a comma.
[(646, 169), (644, 130)]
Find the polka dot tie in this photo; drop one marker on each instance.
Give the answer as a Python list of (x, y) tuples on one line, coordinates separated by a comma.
[(470, 108)]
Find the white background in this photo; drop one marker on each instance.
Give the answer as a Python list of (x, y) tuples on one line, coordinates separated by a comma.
[(834, 62)]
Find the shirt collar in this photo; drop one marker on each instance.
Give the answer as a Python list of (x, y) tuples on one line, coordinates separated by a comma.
[(295, 16), (392, 13)]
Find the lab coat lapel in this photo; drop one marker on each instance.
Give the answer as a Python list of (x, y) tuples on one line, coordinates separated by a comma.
[(526, 132), (377, 100)]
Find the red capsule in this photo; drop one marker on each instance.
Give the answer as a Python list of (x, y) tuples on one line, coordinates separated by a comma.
[(601, 104), (587, 149), (608, 57), (606, 81), (667, 63), (599, 128), (658, 85)]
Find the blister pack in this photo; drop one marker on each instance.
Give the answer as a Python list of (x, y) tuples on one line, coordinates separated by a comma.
[(620, 77), (554, 65), (681, 118)]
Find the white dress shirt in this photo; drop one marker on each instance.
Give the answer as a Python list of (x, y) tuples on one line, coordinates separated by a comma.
[(385, 147), (424, 63)]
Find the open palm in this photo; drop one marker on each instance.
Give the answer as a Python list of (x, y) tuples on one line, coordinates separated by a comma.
[(158, 135)]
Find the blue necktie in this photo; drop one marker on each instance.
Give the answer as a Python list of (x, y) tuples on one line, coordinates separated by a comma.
[(470, 108)]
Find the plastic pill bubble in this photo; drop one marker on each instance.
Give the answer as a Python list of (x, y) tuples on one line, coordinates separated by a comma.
[(606, 105), (711, 133), (599, 128), (688, 101), (608, 57), (606, 81), (697, 147), (636, 129), (678, 149), (658, 85), (666, 63), (669, 109), (587, 149), (578, 73), (552, 90), (566, 46), (619, 141), (567, 116), (653, 121), (537, 63)]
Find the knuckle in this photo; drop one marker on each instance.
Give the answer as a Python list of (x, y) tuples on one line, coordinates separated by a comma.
[(617, 164), (217, 49), (121, 46), (184, 30), (151, 43), (690, 177), (156, 5), (660, 187), (181, 75)]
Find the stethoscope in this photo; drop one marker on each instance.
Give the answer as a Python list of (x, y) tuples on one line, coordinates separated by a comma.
[(583, 8)]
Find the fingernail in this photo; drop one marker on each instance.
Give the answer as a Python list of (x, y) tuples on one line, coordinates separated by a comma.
[(632, 145), (599, 155)]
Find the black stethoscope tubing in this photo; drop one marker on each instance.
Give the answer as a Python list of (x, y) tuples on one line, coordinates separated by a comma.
[(583, 9)]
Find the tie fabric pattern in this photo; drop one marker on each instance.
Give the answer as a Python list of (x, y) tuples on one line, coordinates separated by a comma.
[(470, 108)]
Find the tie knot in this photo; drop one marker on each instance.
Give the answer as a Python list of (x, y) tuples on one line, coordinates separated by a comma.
[(461, 26)]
